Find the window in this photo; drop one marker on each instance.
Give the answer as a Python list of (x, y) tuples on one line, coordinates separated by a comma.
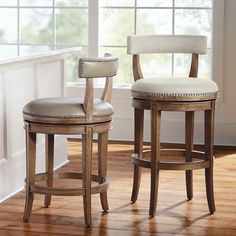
[(121, 18), (31, 26)]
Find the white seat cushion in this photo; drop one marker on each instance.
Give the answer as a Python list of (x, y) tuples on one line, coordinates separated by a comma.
[(174, 88)]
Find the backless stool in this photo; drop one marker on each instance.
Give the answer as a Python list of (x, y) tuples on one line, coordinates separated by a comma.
[(66, 116), (185, 94)]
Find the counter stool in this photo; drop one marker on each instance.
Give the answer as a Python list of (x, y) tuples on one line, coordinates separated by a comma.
[(185, 94), (66, 116)]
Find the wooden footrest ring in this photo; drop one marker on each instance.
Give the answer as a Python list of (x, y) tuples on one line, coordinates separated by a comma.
[(201, 163), (99, 188)]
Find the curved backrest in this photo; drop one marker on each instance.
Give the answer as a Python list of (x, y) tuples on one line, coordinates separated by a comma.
[(139, 44), (98, 67), (90, 68)]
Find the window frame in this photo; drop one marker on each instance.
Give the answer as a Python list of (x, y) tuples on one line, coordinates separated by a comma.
[(93, 35), (173, 8), (54, 44)]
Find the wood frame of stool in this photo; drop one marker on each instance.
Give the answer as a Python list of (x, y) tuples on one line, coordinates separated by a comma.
[(86, 126), (87, 139), (189, 106)]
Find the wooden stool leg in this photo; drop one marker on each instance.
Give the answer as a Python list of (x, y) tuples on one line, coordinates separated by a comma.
[(209, 139), (49, 159), (138, 148), (87, 140), (155, 157), (102, 165), (30, 171), (189, 130)]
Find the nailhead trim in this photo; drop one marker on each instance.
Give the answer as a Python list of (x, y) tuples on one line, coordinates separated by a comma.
[(63, 117), (175, 94)]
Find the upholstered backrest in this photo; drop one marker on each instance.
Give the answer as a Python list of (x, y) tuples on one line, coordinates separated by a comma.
[(98, 67), (90, 68), (138, 44)]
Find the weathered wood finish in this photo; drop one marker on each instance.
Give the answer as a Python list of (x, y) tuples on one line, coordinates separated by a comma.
[(209, 140), (189, 130), (87, 162), (49, 160), (137, 72), (138, 149), (107, 92), (30, 171), (88, 100), (155, 157), (157, 104), (87, 126), (194, 66)]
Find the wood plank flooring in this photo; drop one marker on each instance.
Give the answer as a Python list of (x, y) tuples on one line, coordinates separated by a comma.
[(175, 215)]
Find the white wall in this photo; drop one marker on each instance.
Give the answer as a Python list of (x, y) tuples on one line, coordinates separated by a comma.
[(23, 80), (172, 124), (226, 112)]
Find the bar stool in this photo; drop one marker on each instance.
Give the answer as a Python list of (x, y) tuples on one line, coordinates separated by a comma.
[(66, 116), (187, 95)]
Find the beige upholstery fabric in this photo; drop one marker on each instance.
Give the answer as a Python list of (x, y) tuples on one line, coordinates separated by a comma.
[(167, 88), (138, 44), (65, 108), (98, 67)]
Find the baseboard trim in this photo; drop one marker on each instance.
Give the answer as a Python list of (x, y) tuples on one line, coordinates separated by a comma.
[(164, 145)]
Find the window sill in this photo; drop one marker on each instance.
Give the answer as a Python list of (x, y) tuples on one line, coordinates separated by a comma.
[(97, 86)]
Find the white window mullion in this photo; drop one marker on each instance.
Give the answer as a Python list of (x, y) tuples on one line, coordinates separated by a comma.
[(93, 16), (135, 17), (54, 24), (18, 27), (173, 32)]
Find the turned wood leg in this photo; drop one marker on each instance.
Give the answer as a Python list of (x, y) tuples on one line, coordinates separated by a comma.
[(30, 171), (102, 165), (209, 139), (87, 140), (138, 148), (155, 157), (189, 131), (49, 159)]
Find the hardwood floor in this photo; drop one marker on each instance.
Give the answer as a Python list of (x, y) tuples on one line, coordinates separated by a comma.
[(175, 215)]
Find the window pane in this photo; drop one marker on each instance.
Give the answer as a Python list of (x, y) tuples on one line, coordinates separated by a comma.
[(182, 65), (115, 25), (205, 65), (8, 51), (8, 25), (154, 3), (156, 65), (116, 3), (8, 2), (36, 26), (75, 3), (194, 22), (28, 50), (154, 21), (36, 2), (72, 63), (72, 26), (193, 3), (124, 74)]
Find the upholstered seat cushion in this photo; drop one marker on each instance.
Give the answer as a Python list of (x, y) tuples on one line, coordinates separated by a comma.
[(65, 110), (174, 89)]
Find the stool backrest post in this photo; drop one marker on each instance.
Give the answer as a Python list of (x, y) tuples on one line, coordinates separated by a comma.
[(137, 71), (147, 44), (90, 68)]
